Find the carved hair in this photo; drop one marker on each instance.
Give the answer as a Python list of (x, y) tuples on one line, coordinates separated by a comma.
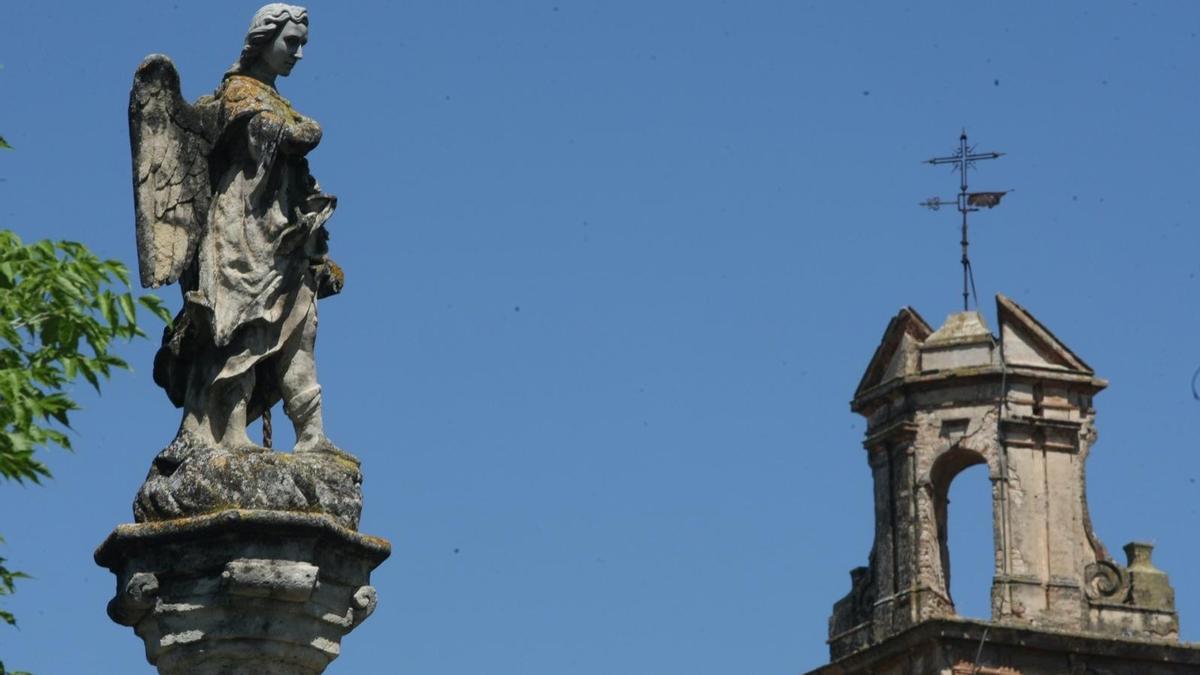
[(266, 24)]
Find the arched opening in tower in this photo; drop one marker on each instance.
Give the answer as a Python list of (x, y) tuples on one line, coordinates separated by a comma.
[(965, 540)]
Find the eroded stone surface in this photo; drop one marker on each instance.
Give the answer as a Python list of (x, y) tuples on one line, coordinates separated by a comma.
[(241, 560), (227, 207), (955, 646), (189, 479), (242, 591), (938, 402)]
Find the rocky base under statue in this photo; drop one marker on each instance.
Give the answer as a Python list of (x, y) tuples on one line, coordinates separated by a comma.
[(244, 560), (189, 479)]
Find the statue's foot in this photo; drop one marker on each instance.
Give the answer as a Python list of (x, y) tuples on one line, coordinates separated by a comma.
[(322, 445), (250, 447), (195, 436), (237, 440)]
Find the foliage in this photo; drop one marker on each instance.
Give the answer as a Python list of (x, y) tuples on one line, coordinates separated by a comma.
[(11, 672), (7, 583), (59, 315), (55, 297)]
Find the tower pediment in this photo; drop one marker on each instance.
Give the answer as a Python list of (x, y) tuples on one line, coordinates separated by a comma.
[(898, 352), (911, 351), (1027, 342)]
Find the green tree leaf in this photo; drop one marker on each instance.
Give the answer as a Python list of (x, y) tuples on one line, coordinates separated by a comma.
[(62, 310)]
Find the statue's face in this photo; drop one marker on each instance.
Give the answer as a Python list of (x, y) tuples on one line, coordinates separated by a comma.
[(286, 49)]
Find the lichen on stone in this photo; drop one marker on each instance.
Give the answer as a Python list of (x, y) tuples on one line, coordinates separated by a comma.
[(190, 479)]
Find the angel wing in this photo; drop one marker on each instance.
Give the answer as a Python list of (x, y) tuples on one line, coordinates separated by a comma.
[(171, 141)]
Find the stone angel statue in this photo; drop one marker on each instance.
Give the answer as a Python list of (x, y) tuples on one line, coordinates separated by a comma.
[(226, 208)]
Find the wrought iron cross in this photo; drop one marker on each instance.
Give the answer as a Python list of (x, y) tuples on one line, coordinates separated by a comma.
[(963, 160)]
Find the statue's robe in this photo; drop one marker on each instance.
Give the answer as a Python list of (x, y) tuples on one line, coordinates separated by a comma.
[(252, 287)]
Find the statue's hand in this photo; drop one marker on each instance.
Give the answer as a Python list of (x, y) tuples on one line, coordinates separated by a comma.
[(304, 131), (330, 278)]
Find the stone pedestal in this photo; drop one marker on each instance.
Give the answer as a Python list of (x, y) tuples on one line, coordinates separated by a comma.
[(270, 590)]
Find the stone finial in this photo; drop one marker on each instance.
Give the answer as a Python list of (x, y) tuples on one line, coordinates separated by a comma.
[(1137, 556), (1149, 586)]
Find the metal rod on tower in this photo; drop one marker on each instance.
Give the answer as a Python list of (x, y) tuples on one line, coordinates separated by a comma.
[(963, 159), (966, 261)]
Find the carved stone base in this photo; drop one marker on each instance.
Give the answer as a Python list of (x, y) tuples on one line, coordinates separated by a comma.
[(242, 591), (189, 479)]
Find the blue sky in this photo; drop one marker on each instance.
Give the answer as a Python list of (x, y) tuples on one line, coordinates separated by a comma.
[(613, 272)]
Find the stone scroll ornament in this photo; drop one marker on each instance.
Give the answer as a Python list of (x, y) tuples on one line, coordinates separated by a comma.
[(240, 559)]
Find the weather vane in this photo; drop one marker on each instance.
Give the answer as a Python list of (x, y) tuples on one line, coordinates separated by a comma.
[(963, 159)]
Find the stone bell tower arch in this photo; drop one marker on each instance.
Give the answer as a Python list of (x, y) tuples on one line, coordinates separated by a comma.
[(938, 402)]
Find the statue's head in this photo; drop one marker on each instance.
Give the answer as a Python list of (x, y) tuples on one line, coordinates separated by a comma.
[(276, 39)]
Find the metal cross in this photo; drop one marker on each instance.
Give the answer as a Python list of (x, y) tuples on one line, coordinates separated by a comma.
[(963, 160)]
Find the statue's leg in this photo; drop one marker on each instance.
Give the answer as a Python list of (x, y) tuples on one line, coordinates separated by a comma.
[(195, 427), (227, 410), (235, 429), (298, 385)]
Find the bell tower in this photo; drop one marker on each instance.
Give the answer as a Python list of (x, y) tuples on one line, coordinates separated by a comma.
[(937, 402)]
